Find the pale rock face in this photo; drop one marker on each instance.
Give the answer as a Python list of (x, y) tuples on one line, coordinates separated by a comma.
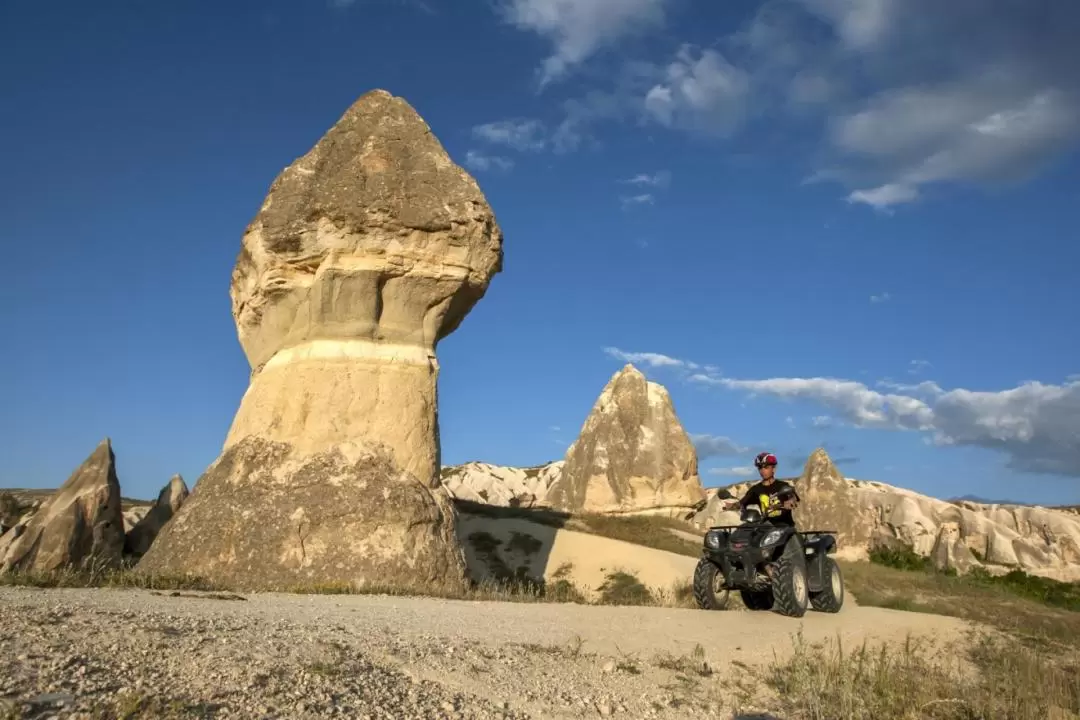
[(367, 251), (132, 516), (169, 500), (79, 526), (498, 485), (959, 536), (632, 454)]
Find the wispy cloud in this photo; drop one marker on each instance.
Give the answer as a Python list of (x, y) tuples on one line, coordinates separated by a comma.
[(880, 298), (479, 161), (917, 367), (635, 200), (716, 446), (518, 133), (1033, 424), (651, 359), (909, 93), (659, 179), (577, 29)]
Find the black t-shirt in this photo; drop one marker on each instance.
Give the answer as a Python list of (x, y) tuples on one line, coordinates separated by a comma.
[(765, 497)]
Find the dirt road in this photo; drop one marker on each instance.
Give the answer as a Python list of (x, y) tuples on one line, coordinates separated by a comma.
[(277, 655)]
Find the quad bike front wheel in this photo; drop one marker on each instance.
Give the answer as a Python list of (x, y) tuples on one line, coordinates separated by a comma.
[(791, 595), (708, 591), (757, 599), (831, 596)]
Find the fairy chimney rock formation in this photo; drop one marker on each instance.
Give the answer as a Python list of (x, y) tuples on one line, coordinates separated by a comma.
[(828, 502), (632, 454), (142, 535), (367, 251), (80, 526)]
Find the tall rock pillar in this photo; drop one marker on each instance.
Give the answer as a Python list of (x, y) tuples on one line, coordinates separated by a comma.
[(367, 251)]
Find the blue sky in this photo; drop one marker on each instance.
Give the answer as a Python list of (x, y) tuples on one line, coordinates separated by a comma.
[(839, 222)]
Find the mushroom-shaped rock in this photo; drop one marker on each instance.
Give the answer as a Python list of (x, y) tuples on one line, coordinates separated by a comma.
[(169, 500), (80, 526), (632, 454), (367, 251)]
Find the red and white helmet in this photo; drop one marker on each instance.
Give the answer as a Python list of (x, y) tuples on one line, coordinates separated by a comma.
[(763, 459)]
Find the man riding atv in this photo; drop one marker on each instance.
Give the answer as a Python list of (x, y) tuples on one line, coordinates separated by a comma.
[(775, 498), (765, 558)]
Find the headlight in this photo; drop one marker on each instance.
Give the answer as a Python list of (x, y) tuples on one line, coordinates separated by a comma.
[(712, 539), (772, 537)]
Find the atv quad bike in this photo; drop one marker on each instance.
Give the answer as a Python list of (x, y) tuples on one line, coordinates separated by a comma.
[(774, 567)]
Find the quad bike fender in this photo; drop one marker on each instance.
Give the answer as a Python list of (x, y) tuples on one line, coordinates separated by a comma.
[(817, 555)]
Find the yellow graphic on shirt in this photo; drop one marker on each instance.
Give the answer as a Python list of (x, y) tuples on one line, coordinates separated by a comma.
[(770, 505)]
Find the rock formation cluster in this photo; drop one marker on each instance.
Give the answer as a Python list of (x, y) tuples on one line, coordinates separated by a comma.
[(82, 525), (954, 535), (367, 251), (632, 456)]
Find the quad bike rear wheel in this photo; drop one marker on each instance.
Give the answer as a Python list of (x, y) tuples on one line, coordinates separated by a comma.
[(708, 592), (831, 596), (791, 595)]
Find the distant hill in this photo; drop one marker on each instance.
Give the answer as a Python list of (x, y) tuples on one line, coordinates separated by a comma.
[(27, 496)]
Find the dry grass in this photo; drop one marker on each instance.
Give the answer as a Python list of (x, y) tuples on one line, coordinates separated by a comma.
[(997, 679), (993, 604)]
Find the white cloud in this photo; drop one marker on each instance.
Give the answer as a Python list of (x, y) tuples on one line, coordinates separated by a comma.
[(859, 23), (822, 421), (790, 422), (701, 92), (650, 359), (629, 201), (969, 131), (880, 298), (580, 28), (917, 366), (1036, 425), (854, 401), (479, 161), (658, 179), (884, 196), (716, 446), (520, 134), (733, 472)]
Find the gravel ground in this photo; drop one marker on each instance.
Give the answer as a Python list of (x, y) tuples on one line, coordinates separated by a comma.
[(113, 653)]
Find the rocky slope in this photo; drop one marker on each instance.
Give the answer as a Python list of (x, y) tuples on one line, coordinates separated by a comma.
[(956, 535)]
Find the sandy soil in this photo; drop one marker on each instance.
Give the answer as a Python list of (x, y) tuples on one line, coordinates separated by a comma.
[(67, 652), (584, 559)]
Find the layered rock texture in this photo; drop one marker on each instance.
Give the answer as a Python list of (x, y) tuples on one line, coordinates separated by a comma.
[(80, 526), (632, 454), (955, 535), (368, 250), (498, 485), (141, 536)]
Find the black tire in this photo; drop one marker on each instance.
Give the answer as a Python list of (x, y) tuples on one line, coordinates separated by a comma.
[(757, 599), (831, 596), (791, 595), (705, 576)]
